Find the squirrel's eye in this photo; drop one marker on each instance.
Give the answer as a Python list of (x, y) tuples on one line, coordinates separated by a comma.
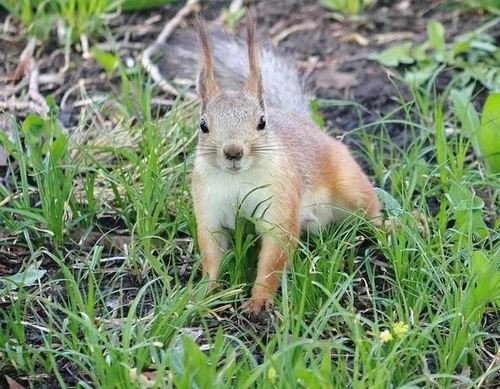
[(262, 123), (203, 125)]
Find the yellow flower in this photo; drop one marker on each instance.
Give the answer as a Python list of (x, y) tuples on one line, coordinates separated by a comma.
[(385, 336), (271, 374), (400, 328)]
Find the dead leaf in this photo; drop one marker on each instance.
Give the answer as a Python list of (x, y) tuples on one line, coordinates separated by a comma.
[(390, 37), (403, 5), (11, 196), (145, 378), (3, 157), (191, 332), (291, 30), (7, 126), (3, 269), (13, 384), (465, 374), (329, 77), (107, 239), (24, 59), (355, 38)]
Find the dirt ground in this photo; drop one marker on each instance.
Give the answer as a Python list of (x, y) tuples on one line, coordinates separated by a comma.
[(331, 51)]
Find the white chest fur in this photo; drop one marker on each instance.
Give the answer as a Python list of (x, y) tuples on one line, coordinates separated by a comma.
[(251, 192), (226, 195)]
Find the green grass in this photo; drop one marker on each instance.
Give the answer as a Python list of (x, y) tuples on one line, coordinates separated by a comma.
[(350, 7), (73, 18), (98, 314), (106, 315)]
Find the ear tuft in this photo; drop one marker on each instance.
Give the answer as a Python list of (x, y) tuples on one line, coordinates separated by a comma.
[(207, 87), (254, 82)]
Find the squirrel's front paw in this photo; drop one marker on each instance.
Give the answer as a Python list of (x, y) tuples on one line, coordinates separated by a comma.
[(212, 285), (255, 305)]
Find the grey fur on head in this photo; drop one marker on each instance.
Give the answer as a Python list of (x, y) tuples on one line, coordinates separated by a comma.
[(283, 88)]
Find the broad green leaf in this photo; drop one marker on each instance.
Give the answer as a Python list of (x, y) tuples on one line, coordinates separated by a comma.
[(390, 204), (326, 364), (486, 275), (316, 116), (53, 108), (132, 5), (345, 6), (419, 52), (487, 75), (462, 199), (479, 263), (468, 210), (22, 279), (460, 47), (232, 18), (494, 4), (484, 46), (308, 378), (466, 113), (197, 362), (489, 133), (418, 76), (34, 127), (7, 144), (435, 33), (58, 148), (353, 7), (395, 55), (107, 60)]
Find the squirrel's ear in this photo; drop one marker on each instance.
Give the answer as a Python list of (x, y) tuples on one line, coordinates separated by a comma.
[(254, 81), (207, 87)]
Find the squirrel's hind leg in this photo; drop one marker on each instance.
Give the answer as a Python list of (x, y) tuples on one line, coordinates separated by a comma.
[(347, 184)]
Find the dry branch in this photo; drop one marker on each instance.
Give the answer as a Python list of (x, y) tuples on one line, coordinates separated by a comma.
[(152, 69)]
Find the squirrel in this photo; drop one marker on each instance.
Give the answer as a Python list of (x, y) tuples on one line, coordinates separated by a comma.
[(260, 153)]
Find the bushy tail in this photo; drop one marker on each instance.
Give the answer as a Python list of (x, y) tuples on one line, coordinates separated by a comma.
[(283, 88)]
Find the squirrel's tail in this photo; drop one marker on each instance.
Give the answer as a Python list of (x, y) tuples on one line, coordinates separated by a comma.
[(283, 87)]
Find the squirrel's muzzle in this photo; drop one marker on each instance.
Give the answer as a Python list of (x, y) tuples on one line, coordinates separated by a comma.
[(233, 152)]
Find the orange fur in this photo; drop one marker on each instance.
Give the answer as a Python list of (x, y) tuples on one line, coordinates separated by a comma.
[(272, 261), (297, 167), (346, 182), (211, 255), (278, 242)]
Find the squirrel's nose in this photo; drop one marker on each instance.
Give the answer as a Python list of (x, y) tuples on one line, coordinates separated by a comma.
[(233, 152)]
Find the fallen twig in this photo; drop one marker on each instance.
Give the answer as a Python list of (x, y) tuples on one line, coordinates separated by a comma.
[(27, 65), (50, 78), (9, 198), (235, 6), (33, 91), (80, 84), (15, 105), (295, 28), (152, 69), (28, 51), (8, 90), (24, 59)]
